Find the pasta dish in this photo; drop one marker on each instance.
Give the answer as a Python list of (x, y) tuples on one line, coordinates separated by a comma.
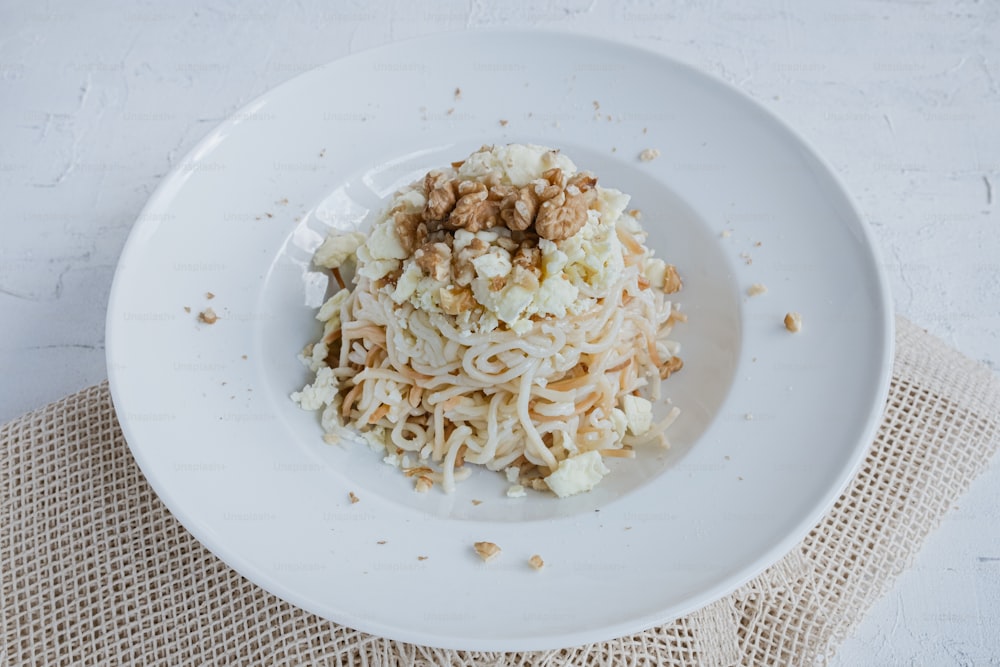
[(504, 312)]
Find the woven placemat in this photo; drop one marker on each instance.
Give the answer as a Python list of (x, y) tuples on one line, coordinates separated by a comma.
[(96, 571)]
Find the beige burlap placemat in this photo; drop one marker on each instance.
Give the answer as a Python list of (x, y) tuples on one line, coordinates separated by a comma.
[(96, 571)]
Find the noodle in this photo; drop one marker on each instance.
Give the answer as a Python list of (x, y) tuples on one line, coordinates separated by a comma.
[(535, 385)]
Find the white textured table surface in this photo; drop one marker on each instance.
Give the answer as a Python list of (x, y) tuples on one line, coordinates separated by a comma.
[(903, 98)]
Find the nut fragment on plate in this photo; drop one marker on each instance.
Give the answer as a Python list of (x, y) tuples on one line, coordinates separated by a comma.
[(793, 322), (208, 316), (649, 154), (757, 289), (671, 280), (536, 562), (486, 550), (354, 498)]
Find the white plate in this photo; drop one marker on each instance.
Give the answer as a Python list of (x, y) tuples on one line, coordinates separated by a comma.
[(773, 423)]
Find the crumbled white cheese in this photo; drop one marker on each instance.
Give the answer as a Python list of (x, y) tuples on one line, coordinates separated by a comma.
[(522, 163), (330, 311), (337, 249), (577, 474), (619, 422), (638, 413), (516, 491), (655, 271), (320, 393), (554, 297), (493, 264), (407, 283)]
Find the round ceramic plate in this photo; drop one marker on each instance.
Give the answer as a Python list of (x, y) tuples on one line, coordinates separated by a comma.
[(773, 423)]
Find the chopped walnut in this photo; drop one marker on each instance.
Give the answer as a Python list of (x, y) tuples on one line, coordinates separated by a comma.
[(556, 177), (455, 301), (536, 562), (464, 271), (673, 365), (527, 266), (582, 180), (671, 281), (410, 229), (473, 211), (793, 322), (500, 192), (434, 259), (208, 316), (442, 195), (561, 217), (486, 550), (528, 256), (354, 498), (521, 213)]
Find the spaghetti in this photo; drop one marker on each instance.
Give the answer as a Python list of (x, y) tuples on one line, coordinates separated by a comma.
[(506, 313)]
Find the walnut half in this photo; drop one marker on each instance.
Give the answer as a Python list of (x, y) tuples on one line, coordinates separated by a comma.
[(561, 217)]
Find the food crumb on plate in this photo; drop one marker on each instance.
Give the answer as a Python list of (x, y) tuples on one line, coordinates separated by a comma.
[(421, 557), (536, 562), (486, 550), (757, 289), (793, 322), (503, 122), (353, 496), (208, 316), (649, 154)]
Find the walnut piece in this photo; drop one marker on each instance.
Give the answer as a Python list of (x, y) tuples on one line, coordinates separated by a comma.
[(671, 281), (520, 214), (486, 550), (561, 217), (455, 301), (442, 194), (473, 211), (793, 322), (208, 316), (434, 259), (556, 177), (673, 365), (527, 266), (464, 271), (410, 229), (536, 562)]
